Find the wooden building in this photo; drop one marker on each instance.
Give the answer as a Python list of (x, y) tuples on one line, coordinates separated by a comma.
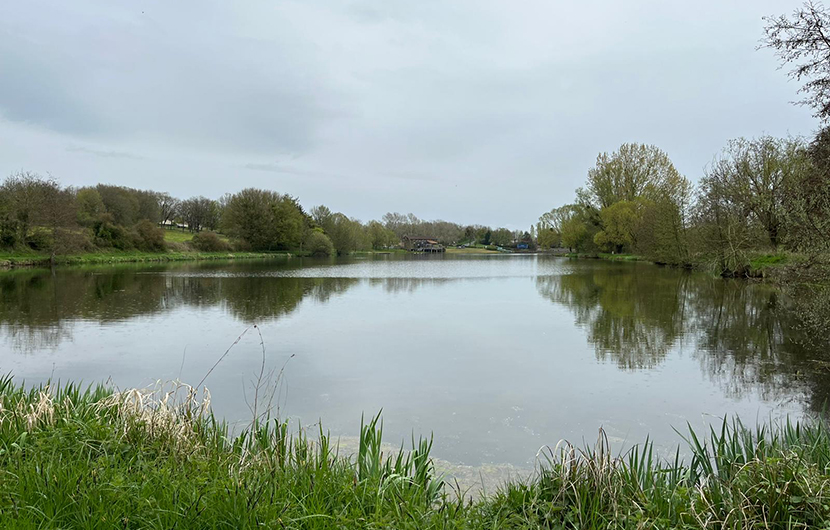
[(422, 244)]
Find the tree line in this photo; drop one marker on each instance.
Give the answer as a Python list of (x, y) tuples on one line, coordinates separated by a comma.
[(762, 194), (37, 213)]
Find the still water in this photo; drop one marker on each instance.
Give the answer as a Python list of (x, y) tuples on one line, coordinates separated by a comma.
[(496, 355)]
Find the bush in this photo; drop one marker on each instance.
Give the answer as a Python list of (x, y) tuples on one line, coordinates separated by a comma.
[(149, 237), (319, 244), (209, 242), (107, 234), (40, 240), (240, 245)]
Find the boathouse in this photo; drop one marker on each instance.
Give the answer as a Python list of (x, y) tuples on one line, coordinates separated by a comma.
[(422, 244)]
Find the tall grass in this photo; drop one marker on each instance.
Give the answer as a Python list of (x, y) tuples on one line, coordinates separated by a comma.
[(73, 457)]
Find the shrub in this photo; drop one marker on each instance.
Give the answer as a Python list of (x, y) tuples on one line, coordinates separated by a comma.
[(240, 245), (149, 237), (107, 234), (319, 244), (209, 242), (40, 239)]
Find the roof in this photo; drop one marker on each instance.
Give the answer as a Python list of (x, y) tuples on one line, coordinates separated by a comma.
[(414, 238)]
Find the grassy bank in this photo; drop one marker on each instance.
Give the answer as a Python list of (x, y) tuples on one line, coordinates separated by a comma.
[(72, 458), (605, 256), (36, 259)]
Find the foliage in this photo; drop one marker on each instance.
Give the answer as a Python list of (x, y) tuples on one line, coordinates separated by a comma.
[(620, 222), (380, 236), (209, 242), (90, 206), (807, 200), (198, 213), (574, 234), (632, 172), (264, 220), (149, 237), (157, 458), (319, 244)]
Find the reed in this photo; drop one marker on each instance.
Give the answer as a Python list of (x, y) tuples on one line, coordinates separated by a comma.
[(91, 457)]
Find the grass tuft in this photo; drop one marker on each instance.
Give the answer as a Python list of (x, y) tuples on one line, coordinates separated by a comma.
[(74, 457)]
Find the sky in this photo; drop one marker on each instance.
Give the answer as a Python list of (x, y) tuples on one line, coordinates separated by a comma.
[(474, 111)]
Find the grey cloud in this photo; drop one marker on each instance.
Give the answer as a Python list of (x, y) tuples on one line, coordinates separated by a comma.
[(102, 152), (476, 110)]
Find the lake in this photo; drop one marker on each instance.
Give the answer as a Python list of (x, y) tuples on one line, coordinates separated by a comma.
[(497, 355)]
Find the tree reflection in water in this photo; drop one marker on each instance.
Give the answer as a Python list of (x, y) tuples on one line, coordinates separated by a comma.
[(37, 308), (748, 337)]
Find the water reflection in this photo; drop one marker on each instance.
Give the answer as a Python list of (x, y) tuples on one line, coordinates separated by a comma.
[(37, 308), (631, 318), (747, 337)]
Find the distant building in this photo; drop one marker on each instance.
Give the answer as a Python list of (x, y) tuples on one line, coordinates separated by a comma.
[(422, 244)]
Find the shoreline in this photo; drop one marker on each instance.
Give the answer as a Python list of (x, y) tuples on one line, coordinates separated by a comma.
[(158, 457), (20, 261)]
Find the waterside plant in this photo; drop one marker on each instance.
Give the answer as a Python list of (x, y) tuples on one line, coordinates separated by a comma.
[(158, 458)]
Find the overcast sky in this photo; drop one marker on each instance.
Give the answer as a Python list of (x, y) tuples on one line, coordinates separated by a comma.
[(474, 111)]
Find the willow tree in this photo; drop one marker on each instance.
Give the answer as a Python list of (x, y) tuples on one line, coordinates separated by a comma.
[(634, 171), (625, 185)]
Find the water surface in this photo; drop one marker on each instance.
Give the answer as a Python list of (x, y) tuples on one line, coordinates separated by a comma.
[(497, 355)]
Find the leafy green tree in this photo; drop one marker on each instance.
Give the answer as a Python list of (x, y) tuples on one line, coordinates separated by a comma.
[(501, 237), (264, 220), (380, 236), (574, 234), (120, 202), (620, 222), (632, 172), (319, 244), (89, 205)]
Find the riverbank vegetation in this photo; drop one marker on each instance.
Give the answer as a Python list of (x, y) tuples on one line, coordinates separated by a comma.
[(760, 202), (96, 458), (42, 221)]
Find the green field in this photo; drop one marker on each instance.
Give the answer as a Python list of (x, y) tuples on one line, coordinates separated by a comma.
[(471, 250), (183, 236), (35, 259)]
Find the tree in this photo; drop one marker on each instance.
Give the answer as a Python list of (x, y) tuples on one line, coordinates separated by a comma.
[(168, 207), (318, 244), (662, 233), (347, 235), (807, 199), (574, 234), (89, 205), (721, 228), (752, 174), (121, 203), (804, 39), (549, 227), (37, 212), (501, 237), (380, 236), (199, 213), (632, 172), (264, 219), (21, 201), (620, 222)]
